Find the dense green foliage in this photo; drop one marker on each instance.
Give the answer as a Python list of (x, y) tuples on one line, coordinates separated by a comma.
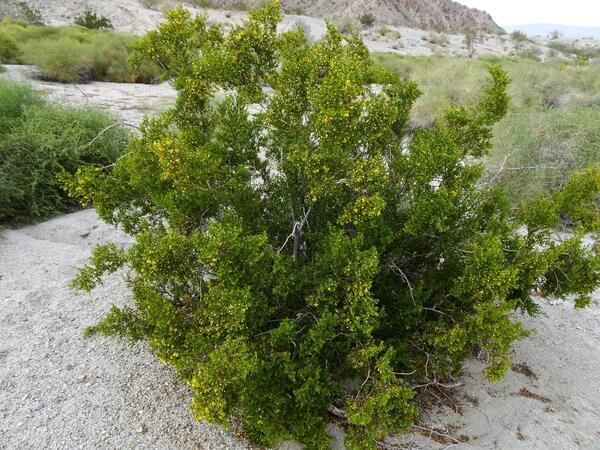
[(8, 48), (74, 53), (301, 257), (367, 19), (91, 20), (40, 141), (550, 132)]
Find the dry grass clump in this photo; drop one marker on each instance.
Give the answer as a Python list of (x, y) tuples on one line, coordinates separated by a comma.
[(70, 54), (551, 129)]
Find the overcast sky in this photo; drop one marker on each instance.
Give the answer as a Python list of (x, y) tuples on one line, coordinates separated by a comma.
[(517, 12)]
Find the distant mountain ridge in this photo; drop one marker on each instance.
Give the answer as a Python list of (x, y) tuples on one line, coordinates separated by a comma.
[(439, 15), (543, 29)]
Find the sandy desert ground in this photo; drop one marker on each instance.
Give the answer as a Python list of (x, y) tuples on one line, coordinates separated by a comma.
[(58, 390)]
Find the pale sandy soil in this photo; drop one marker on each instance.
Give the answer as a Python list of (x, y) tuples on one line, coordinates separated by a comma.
[(60, 391)]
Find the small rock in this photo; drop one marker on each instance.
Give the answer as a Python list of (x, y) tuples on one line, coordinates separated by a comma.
[(81, 379)]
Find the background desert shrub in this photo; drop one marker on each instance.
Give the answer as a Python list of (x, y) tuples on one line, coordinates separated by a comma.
[(555, 34), (367, 19), (38, 142), (348, 25), (14, 99), (76, 54), (62, 59), (31, 14), (440, 39), (554, 111), (384, 31), (9, 50), (569, 49), (531, 53), (519, 37), (537, 151), (91, 20)]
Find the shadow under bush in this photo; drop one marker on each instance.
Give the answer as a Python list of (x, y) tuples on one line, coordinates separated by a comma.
[(39, 142)]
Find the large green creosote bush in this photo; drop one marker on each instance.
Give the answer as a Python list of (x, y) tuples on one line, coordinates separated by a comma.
[(39, 143), (310, 254)]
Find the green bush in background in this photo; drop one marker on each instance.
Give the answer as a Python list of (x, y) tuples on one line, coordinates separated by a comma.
[(39, 142), (9, 50), (71, 54), (551, 130), (91, 20), (14, 99)]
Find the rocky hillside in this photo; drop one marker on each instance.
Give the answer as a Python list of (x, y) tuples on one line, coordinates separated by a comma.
[(439, 15)]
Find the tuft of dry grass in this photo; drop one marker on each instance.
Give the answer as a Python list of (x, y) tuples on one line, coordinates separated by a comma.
[(70, 54), (524, 392), (550, 131), (524, 369)]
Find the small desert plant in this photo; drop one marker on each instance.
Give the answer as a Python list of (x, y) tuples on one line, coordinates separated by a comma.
[(554, 35), (367, 19), (348, 26), (530, 53), (519, 36), (152, 3), (39, 142), (204, 3), (384, 31), (92, 21), (300, 11), (471, 38), (31, 14), (440, 39), (519, 39), (297, 261), (393, 34)]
